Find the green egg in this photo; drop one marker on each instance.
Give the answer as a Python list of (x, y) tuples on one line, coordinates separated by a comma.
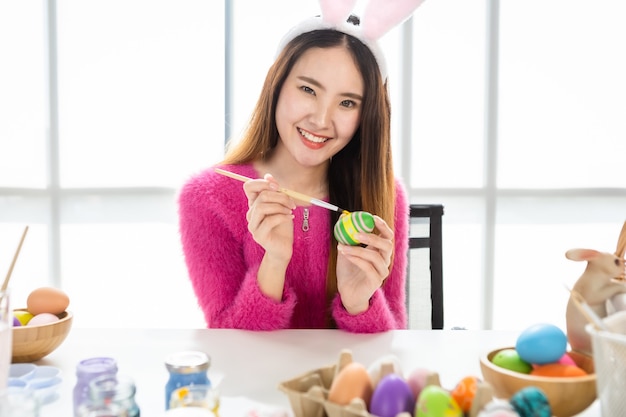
[(350, 224), (510, 359), (434, 401)]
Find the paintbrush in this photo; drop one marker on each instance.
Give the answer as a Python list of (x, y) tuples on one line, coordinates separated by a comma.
[(290, 193), (5, 284)]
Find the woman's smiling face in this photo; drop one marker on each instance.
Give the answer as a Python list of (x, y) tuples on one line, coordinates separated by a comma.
[(319, 106)]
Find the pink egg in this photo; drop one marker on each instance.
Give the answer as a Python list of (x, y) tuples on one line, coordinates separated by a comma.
[(43, 318), (417, 380), (567, 360)]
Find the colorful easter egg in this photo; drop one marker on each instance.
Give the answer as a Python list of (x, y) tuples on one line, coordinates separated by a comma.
[(558, 370), (391, 397), (465, 391), (510, 359), (541, 343), (531, 402), (567, 360), (418, 379), (23, 316), (350, 224), (435, 401), (43, 318)]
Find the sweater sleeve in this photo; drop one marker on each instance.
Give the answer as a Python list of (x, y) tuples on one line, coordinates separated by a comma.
[(221, 257), (387, 309)]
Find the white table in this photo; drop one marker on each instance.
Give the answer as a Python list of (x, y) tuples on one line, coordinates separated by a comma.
[(253, 364)]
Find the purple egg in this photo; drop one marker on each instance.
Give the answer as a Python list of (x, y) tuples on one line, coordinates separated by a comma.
[(392, 396), (16, 322)]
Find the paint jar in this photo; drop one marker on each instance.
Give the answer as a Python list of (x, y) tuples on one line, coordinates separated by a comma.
[(186, 368)]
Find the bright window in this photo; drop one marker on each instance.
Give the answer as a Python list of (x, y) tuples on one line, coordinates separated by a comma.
[(512, 118)]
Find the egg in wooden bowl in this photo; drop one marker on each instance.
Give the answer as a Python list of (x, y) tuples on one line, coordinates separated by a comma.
[(35, 341), (567, 395), (42, 326)]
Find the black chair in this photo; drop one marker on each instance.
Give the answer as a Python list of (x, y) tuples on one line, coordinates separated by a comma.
[(431, 213)]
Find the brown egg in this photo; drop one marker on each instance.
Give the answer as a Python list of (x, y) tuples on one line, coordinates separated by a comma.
[(353, 381), (47, 300)]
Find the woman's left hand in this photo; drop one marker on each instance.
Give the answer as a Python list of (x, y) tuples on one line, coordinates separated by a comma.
[(362, 270)]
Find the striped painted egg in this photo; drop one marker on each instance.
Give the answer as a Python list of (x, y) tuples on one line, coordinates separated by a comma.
[(351, 223)]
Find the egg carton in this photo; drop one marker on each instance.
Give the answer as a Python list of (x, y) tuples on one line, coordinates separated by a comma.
[(308, 392)]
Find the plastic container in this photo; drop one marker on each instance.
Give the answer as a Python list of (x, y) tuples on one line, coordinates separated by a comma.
[(186, 368), (18, 400), (609, 356)]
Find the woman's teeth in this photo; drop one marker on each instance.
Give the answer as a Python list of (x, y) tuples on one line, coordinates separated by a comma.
[(312, 137)]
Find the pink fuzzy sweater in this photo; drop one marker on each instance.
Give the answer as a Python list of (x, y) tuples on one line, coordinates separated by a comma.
[(223, 259)]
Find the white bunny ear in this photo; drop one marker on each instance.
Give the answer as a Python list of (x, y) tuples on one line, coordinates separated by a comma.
[(382, 15), (336, 12), (580, 254)]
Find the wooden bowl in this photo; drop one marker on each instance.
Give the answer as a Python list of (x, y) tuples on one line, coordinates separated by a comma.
[(31, 343), (568, 396)]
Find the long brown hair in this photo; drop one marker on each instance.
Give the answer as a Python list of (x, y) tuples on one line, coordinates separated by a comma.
[(360, 176)]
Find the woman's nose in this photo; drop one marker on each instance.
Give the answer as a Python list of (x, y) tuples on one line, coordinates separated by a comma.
[(322, 114)]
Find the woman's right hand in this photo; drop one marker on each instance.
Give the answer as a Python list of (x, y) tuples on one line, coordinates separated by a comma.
[(270, 217)]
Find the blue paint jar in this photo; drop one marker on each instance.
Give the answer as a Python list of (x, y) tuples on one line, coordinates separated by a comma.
[(185, 369)]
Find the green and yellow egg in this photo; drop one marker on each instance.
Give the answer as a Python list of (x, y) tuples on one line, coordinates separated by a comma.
[(349, 224)]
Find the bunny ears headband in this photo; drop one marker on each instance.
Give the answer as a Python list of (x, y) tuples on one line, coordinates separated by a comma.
[(379, 17)]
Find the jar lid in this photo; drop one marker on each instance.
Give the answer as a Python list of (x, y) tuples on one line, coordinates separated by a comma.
[(187, 362), (96, 366)]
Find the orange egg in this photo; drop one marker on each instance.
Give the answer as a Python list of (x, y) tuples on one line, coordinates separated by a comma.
[(47, 300), (353, 381), (558, 370), (465, 391)]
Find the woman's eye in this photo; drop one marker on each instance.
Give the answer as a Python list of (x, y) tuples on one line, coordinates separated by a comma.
[(348, 103), (307, 89)]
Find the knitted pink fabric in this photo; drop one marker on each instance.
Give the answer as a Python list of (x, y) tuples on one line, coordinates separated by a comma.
[(223, 259)]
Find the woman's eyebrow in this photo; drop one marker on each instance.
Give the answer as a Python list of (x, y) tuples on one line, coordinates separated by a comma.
[(316, 83)]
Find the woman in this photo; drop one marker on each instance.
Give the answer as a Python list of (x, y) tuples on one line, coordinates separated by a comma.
[(260, 260)]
